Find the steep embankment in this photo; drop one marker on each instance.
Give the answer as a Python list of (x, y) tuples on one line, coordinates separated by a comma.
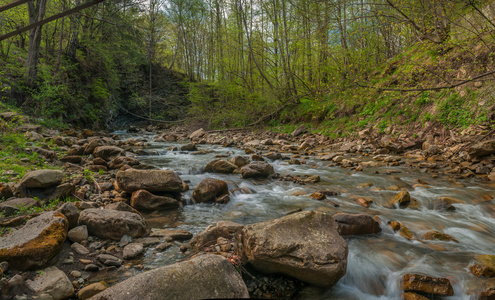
[(445, 86)]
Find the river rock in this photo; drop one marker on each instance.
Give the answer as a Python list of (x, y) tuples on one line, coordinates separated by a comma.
[(197, 134), (78, 234), (144, 200), (209, 236), (304, 245), (91, 290), (121, 161), (203, 277), (437, 235), (108, 152), (413, 296), (121, 206), (189, 147), (299, 130), (71, 212), (353, 224), (220, 166), (133, 250), (177, 234), (240, 161), (41, 179), (485, 266), (32, 246), (165, 181), (482, 148), (424, 284), (53, 283), (13, 205), (79, 249), (400, 200), (210, 189), (257, 170), (112, 224)]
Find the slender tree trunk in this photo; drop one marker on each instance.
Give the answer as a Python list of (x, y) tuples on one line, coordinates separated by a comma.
[(36, 11)]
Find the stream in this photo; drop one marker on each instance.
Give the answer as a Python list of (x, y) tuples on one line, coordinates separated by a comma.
[(375, 262)]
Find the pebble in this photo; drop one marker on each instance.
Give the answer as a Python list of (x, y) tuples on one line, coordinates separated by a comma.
[(75, 274), (91, 268)]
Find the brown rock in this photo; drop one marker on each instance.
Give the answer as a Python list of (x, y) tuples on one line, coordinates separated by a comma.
[(437, 235), (427, 285), (220, 166), (144, 200), (400, 200), (413, 296), (240, 161), (482, 148), (176, 235), (318, 196), (5, 191), (112, 224), (120, 161), (13, 205), (257, 170), (73, 159), (304, 245), (108, 152), (165, 181), (202, 277), (353, 224), (485, 266), (209, 236), (210, 189), (91, 290)]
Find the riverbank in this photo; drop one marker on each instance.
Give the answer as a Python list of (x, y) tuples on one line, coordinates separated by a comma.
[(376, 170)]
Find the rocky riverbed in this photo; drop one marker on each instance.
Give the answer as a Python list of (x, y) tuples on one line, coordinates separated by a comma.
[(197, 214)]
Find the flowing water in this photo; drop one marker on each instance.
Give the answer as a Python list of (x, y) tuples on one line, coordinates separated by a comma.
[(376, 262)]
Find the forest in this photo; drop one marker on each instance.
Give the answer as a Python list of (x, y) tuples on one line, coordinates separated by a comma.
[(336, 65)]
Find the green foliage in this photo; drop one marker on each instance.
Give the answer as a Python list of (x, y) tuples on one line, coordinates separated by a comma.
[(15, 161)]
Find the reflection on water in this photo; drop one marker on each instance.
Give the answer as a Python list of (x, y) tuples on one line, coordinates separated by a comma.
[(375, 262)]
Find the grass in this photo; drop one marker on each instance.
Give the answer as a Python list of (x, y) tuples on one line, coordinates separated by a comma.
[(341, 113)]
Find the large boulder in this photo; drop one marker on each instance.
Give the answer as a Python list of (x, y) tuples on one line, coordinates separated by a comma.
[(304, 245), (112, 224), (210, 189), (257, 169), (353, 224), (36, 243), (108, 152), (165, 181), (203, 277), (482, 148), (51, 283), (220, 166), (209, 236), (41, 179), (144, 200)]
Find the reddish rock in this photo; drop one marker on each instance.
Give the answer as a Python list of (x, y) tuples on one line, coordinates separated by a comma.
[(210, 189), (424, 284)]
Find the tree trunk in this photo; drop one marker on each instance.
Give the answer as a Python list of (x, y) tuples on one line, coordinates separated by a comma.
[(36, 12)]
